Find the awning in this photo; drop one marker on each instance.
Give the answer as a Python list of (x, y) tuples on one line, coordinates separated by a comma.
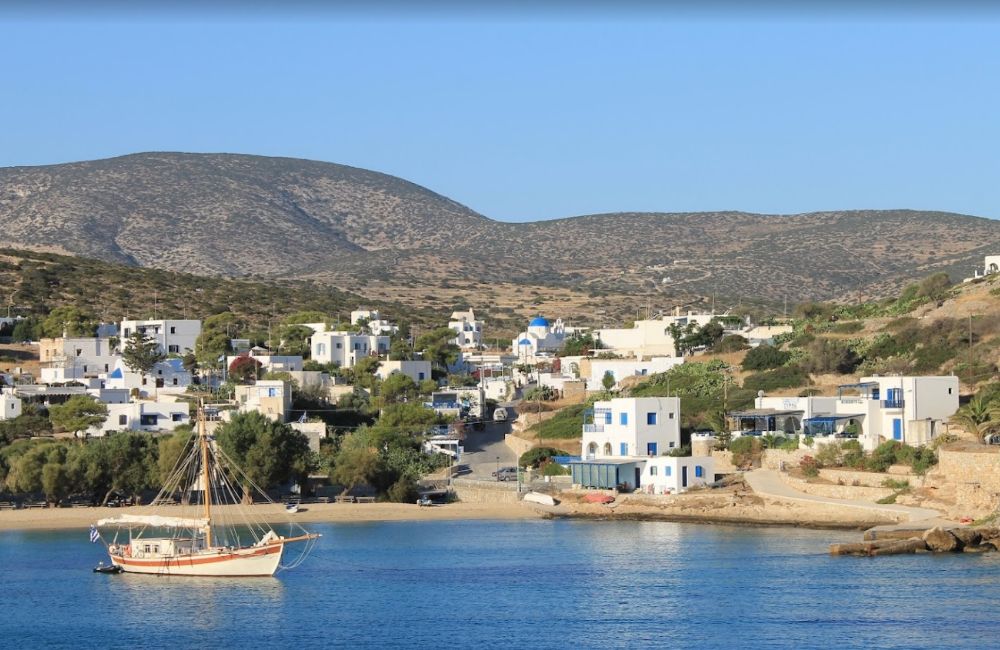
[(831, 418), (154, 520), (761, 413)]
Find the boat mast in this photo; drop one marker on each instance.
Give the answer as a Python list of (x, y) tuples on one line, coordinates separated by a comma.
[(203, 440)]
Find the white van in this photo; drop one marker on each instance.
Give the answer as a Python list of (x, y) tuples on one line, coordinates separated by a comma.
[(499, 414)]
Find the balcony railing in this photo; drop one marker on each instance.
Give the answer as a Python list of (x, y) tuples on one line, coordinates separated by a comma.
[(593, 428), (892, 404)]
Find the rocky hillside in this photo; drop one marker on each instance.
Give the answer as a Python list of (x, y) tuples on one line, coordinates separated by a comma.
[(238, 215)]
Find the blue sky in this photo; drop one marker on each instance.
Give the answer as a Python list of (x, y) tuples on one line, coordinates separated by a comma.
[(522, 115)]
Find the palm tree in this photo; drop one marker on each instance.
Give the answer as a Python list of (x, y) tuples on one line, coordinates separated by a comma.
[(980, 418)]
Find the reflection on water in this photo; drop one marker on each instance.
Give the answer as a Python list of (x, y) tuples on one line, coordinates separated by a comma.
[(532, 584)]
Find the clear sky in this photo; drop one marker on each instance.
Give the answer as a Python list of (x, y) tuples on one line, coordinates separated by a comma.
[(524, 114)]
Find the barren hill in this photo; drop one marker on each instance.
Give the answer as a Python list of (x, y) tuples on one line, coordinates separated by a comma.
[(238, 215)]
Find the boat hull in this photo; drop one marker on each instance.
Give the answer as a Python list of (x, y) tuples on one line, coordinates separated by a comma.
[(245, 562)]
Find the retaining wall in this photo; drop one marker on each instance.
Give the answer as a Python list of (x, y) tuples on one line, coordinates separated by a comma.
[(471, 491), (837, 491)]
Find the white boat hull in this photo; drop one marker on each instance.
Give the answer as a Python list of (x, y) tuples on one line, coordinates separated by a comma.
[(244, 562)]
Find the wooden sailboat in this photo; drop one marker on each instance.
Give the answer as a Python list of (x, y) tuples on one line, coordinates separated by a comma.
[(224, 541)]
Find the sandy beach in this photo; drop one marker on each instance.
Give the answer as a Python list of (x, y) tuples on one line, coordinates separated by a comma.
[(68, 518)]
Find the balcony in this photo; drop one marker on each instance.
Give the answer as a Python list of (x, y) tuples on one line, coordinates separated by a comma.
[(892, 404), (593, 428)]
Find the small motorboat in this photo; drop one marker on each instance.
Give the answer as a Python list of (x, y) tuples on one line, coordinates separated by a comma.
[(107, 568), (291, 508), (424, 502)]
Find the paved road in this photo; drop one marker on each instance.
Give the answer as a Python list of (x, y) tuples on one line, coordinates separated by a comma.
[(768, 482), (482, 448)]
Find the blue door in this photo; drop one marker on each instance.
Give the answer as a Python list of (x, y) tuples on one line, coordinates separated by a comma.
[(684, 476), (650, 448), (624, 448), (897, 429)]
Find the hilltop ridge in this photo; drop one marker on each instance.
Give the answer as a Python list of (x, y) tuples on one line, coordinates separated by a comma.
[(240, 215)]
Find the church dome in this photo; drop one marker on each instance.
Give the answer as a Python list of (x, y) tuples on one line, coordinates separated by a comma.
[(538, 321)]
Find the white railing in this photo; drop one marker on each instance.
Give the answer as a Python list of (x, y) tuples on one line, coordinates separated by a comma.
[(593, 428)]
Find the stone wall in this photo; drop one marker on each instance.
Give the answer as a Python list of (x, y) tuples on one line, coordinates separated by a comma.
[(869, 479), (471, 491), (517, 444), (836, 491), (973, 475), (772, 458), (723, 462)]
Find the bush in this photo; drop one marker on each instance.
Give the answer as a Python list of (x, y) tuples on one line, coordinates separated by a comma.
[(554, 469), (789, 444), (830, 455), (889, 499), (785, 377), (899, 486), (746, 451), (731, 343), (809, 466), (539, 456), (403, 490), (765, 357), (683, 450)]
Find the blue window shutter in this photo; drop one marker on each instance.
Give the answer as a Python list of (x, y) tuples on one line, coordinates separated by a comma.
[(623, 418), (651, 418), (650, 448), (624, 448), (607, 417), (697, 471), (666, 470)]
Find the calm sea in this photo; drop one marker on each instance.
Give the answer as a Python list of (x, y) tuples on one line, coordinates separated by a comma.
[(531, 584)]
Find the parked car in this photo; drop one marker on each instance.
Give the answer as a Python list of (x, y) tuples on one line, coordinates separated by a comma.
[(500, 414), (506, 474)]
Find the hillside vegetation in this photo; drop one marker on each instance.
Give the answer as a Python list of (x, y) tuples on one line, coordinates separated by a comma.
[(281, 218)]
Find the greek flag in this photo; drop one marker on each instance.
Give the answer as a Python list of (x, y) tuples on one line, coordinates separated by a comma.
[(94, 535)]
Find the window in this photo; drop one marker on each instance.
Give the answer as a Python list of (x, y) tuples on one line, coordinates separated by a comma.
[(650, 448), (174, 349), (105, 367), (652, 470), (122, 420), (176, 417), (420, 376), (272, 392), (671, 445), (85, 368), (949, 391), (607, 449), (670, 416), (607, 417), (651, 418), (698, 471), (175, 381), (148, 420), (173, 330), (339, 346), (127, 332), (357, 346), (666, 470), (624, 449), (623, 418)]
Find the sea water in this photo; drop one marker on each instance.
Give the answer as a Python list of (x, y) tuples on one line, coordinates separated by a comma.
[(521, 584)]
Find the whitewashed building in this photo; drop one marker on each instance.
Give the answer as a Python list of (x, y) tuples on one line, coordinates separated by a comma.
[(675, 474), (632, 426), (540, 339), (623, 368), (10, 405), (345, 348), (66, 359), (374, 322), (911, 410), (991, 265), (417, 370), (468, 329), (167, 376), (173, 336), (271, 362), (144, 415)]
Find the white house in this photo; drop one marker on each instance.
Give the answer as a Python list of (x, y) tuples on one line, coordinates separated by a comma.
[(468, 329), (10, 405), (622, 368), (912, 410), (75, 358), (632, 426), (540, 338), (144, 415), (649, 337), (345, 348), (674, 474), (991, 265), (168, 376), (173, 336), (416, 370), (271, 362), (374, 322)]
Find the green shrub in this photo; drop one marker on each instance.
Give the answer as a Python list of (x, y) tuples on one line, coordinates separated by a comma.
[(776, 379), (899, 486), (883, 456), (731, 343), (809, 466), (765, 357), (789, 444), (554, 469), (849, 327), (539, 456), (683, 450), (830, 455), (889, 499), (746, 451)]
